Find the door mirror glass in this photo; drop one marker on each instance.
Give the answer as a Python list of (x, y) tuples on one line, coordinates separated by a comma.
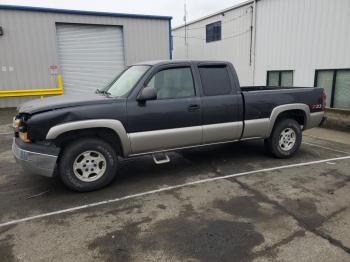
[(147, 93)]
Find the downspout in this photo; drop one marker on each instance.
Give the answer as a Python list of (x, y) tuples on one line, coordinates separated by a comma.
[(251, 34), (254, 37)]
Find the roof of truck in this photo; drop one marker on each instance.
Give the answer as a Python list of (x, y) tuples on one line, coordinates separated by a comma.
[(161, 62)]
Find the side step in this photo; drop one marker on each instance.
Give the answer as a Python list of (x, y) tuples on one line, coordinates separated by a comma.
[(160, 158)]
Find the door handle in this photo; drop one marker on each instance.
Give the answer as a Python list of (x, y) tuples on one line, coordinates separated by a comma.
[(193, 107)]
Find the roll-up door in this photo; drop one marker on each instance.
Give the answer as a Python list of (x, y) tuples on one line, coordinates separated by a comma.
[(90, 56)]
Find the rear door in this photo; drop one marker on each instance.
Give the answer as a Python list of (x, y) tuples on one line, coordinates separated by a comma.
[(171, 121), (222, 103)]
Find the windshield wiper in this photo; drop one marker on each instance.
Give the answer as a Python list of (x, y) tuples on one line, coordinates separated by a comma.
[(103, 92)]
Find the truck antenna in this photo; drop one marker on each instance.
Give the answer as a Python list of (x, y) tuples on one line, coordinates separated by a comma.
[(185, 20)]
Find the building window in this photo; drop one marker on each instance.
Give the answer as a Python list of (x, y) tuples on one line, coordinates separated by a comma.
[(213, 32), (280, 78), (215, 80), (336, 83)]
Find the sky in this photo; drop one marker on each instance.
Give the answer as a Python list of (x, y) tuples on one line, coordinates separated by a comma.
[(174, 8)]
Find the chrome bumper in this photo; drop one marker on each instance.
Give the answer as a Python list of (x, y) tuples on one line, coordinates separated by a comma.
[(34, 162)]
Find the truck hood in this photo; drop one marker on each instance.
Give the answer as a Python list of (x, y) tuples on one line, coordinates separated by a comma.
[(57, 102)]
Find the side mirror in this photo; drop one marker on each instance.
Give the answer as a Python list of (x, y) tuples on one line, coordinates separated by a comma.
[(147, 93)]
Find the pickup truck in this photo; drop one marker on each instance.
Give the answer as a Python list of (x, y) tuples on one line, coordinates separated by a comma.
[(153, 108)]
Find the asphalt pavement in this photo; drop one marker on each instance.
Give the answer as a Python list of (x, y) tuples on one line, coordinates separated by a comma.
[(230, 202)]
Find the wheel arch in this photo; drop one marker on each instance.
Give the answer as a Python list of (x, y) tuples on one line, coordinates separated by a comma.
[(299, 112), (108, 129)]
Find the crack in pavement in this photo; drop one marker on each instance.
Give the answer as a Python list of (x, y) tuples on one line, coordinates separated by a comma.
[(281, 208)]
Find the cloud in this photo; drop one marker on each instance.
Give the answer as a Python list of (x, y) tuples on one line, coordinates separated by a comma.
[(174, 8)]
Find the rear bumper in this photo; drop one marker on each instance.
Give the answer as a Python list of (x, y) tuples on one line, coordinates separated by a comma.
[(35, 159)]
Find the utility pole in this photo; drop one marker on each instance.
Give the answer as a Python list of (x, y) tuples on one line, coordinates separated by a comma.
[(185, 20)]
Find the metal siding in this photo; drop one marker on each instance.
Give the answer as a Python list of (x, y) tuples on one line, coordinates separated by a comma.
[(29, 44), (90, 56), (302, 35), (299, 35), (234, 46)]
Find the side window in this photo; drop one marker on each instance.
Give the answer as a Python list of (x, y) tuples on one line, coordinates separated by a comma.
[(173, 83), (215, 80)]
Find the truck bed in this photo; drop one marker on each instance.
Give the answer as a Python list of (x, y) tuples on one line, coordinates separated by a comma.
[(261, 100)]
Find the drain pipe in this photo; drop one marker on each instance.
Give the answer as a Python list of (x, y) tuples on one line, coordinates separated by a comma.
[(254, 37)]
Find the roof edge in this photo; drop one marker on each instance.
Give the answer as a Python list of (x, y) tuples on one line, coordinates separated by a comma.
[(216, 13), (80, 12)]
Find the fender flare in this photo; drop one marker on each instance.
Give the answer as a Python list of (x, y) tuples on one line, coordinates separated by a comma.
[(113, 124), (283, 108)]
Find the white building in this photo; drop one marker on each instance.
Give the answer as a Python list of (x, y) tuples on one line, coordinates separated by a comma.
[(277, 42)]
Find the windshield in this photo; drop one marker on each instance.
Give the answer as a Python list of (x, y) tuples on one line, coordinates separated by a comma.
[(126, 81)]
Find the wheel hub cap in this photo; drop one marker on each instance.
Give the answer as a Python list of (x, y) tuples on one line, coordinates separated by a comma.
[(287, 139), (89, 166)]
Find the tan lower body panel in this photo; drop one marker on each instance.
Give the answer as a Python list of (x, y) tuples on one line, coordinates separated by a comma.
[(158, 140), (222, 132), (256, 128)]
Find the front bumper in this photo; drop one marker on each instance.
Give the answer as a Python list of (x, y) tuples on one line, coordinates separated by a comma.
[(35, 159)]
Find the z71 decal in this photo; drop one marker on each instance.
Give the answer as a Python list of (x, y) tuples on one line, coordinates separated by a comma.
[(316, 106)]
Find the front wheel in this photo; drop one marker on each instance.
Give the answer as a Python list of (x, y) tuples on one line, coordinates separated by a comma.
[(285, 139), (88, 164)]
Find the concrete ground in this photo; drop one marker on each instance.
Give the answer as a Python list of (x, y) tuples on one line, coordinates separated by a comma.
[(224, 203)]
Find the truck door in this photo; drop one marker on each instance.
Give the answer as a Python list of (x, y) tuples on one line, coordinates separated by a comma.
[(222, 103), (173, 120)]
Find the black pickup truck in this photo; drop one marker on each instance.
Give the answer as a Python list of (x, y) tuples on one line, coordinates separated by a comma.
[(155, 107)]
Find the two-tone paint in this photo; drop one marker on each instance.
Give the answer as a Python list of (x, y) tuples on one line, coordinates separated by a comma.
[(169, 124)]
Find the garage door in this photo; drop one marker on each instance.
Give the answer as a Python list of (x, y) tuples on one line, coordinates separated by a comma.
[(90, 56)]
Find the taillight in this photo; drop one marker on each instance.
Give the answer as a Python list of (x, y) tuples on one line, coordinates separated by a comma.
[(324, 101)]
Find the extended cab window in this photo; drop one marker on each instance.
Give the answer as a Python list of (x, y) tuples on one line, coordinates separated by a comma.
[(215, 80), (173, 83)]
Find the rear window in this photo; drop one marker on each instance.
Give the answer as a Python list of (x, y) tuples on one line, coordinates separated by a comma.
[(215, 80)]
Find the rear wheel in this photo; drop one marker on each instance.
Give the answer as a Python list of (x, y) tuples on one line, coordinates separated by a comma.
[(285, 139), (88, 164)]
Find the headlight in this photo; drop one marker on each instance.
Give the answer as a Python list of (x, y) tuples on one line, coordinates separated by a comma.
[(20, 129), (16, 124)]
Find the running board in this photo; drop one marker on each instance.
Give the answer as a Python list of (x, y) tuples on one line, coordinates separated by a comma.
[(160, 158)]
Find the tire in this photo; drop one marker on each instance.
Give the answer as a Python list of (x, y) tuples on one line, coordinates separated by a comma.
[(280, 144), (88, 164)]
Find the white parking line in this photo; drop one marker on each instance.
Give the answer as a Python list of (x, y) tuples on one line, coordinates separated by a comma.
[(69, 210), (9, 133), (328, 148)]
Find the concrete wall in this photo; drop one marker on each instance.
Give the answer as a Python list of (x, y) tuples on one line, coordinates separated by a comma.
[(29, 45)]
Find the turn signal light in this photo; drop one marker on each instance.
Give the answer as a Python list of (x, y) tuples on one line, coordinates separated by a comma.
[(24, 136)]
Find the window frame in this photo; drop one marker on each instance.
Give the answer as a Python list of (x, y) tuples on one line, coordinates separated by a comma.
[(279, 76), (212, 25), (334, 81), (146, 82)]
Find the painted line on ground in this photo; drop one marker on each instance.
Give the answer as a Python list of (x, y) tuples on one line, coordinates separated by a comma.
[(164, 189), (10, 133), (325, 147)]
